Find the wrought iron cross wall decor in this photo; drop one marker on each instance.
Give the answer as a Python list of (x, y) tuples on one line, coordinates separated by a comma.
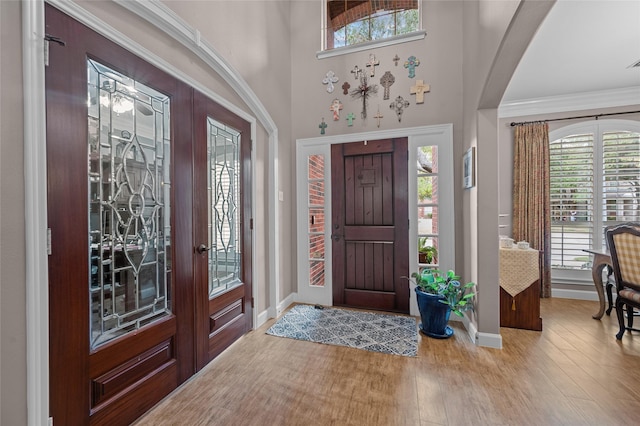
[(363, 91)]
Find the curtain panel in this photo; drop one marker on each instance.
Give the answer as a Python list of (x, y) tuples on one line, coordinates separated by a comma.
[(531, 199)]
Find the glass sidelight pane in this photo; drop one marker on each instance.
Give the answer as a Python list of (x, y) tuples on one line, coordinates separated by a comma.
[(129, 219), (427, 202), (316, 219), (223, 155)]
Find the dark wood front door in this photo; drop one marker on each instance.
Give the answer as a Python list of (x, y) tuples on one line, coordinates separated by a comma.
[(222, 159), (128, 310), (370, 224)]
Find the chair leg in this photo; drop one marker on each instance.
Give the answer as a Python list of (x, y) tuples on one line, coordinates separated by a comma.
[(620, 313), (609, 297), (630, 316)]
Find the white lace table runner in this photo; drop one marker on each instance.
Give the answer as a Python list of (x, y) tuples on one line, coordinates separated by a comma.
[(518, 269)]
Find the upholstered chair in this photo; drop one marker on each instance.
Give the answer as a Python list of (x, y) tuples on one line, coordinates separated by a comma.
[(624, 244)]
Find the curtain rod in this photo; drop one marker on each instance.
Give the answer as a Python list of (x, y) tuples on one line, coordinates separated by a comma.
[(513, 123)]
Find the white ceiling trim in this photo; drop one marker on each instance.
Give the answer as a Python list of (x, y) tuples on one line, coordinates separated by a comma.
[(575, 102)]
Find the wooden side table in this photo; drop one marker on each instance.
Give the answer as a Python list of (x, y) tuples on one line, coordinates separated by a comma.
[(520, 289)]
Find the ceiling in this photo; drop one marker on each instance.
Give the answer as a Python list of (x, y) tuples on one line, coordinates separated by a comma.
[(582, 46)]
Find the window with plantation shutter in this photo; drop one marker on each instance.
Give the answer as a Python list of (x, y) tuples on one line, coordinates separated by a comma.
[(595, 183), (572, 194), (621, 177)]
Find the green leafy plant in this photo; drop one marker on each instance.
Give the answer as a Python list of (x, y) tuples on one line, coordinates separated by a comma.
[(430, 253), (457, 296)]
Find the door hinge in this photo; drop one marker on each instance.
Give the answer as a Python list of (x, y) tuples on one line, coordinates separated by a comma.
[(252, 303), (47, 39), (49, 241), (251, 224)]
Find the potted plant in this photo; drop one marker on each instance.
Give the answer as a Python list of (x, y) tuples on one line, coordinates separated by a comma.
[(426, 254), (438, 295)]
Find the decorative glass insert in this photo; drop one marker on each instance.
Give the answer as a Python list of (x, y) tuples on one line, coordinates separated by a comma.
[(129, 204), (316, 220), (223, 155), (352, 22), (427, 175)]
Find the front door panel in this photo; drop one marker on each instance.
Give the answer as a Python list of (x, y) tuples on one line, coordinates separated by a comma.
[(370, 224)]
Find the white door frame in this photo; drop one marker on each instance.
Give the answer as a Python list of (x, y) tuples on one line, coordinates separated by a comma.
[(438, 135)]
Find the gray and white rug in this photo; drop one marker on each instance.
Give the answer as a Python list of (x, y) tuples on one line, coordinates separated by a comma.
[(386, 333)]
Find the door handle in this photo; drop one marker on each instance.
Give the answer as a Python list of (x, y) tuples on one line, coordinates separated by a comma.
[(203, 249), (336, 237)]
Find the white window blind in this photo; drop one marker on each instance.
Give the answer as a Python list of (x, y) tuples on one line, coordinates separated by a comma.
[(572, 195), (595, 183), (621, 177)]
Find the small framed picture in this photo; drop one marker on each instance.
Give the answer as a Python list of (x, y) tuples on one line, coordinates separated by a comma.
[(469, 168)]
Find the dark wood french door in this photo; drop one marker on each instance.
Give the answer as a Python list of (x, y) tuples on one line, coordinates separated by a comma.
[(370, 224), (222, 159), (129, 316)]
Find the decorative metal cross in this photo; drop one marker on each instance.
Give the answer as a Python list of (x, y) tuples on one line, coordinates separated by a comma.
[(378, 116), (396, 59), (336, 106), (350, 117), (363, 91), (411, 64), (345, 88), (356, 72), (386, 81), (329, 80), (399, 105), (322, 126), (419, 90), (372, 63)]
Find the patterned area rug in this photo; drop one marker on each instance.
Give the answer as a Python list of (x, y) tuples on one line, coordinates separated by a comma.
[(386, 333)]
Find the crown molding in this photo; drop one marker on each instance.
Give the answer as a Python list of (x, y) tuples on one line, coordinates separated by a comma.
[(573, 102)]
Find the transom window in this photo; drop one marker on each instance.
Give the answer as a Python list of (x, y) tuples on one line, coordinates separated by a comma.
[(351, 22), (595, 183)]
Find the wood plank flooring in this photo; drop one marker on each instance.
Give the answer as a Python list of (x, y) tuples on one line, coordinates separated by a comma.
[(574, 372)]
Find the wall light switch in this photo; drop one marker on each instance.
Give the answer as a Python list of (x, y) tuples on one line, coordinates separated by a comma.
[(280, 195)]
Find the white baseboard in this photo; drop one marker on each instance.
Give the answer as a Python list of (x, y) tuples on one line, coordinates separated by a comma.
[(262, 318), (285, 303), (562, 293), (489, 340)]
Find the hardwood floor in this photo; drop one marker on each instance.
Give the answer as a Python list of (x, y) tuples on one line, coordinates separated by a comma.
[(574, 372)]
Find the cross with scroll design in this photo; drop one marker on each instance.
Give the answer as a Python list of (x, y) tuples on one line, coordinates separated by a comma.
[(386, 81), (329, 80), (350, 117), (372, 63), (356, 72), (399, 105), (419, 90), (378, 116)]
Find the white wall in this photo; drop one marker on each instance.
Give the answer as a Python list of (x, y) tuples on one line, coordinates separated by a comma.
[(13, 368)]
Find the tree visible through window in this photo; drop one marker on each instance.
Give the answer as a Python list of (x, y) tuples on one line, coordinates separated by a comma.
[(351, 22), (595, 183)]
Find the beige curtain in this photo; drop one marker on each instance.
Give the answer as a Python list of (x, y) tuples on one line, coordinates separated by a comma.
[(531, 205)]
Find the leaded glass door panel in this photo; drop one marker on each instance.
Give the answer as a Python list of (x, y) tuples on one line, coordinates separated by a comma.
[(121, 235), (223, 227)]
